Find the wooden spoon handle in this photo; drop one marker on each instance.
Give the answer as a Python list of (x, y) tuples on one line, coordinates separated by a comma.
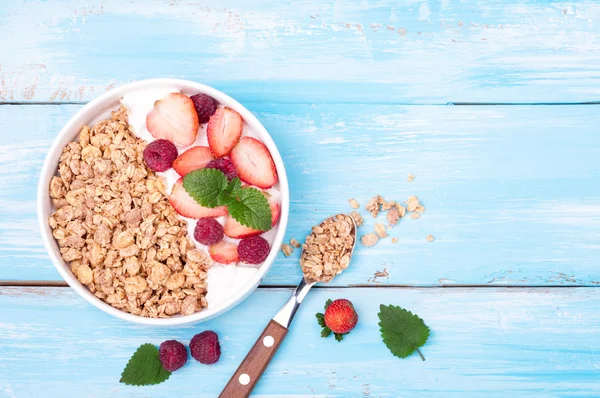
[(252, 367)]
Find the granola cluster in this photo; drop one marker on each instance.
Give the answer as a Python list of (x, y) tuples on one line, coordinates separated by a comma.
[(328, 248), (115, 227)]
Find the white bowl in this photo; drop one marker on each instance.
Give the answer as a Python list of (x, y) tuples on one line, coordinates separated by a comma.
[(99, 109)]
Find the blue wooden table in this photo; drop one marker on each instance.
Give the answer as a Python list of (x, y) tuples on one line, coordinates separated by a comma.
[(493, 106)]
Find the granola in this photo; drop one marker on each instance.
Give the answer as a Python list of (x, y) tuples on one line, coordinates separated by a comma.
[(327, 250), (286, 249), (117, 230), (357, 218), (354, 203), (369, 239)]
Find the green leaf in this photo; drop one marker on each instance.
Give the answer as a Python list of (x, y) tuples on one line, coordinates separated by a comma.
[(251, 209), (402, 331), (339, 337), (328, 303), (321, 320), (205, 186), (325, 332), (144, 368), (235, 187)]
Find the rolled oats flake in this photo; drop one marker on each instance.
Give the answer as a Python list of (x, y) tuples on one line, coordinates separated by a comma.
[(369, 239), (286, 249), (380, 230), (354, 203)]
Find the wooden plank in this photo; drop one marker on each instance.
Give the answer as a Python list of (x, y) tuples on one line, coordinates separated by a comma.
[(484, 342), (511, 192), (379, 51)]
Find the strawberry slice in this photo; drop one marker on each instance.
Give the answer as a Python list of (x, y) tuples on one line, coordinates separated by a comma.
[(174, 118), (224, 131), (235, 230), (254, 163), (186, 206), (224, 252), (193, 159)]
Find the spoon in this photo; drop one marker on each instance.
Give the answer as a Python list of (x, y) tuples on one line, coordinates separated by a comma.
[(252, 367)]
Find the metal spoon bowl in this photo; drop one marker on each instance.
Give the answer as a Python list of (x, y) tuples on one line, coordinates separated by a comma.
[(252, 367)]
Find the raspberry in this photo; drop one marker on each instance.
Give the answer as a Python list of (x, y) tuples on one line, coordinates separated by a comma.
[(253, 250), (205, 106), (160, 154), (205, 347), (172, 354), (208, 231), (225, 166)]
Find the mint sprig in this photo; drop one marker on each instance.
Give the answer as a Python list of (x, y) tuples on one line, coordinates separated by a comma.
[(402, 331), (144, 368), (247, 205)]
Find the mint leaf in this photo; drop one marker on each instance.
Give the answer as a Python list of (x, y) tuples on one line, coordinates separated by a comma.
[(205, 186), (144, 368), (402, 331), (235, 187), (250, 208), (224, 198), (231, 193)]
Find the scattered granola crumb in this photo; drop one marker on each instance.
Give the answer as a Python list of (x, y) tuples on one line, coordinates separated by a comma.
[(401, 209), (373, 205), (393, 216), (420, 209), (411, 203), (380, 230), (411, 177), (388, 205), (369, 239), (430, 238), (394, 240), (294, 243), (357, 218), (415, 215), (328, 248), (286, 249), (353, 203)]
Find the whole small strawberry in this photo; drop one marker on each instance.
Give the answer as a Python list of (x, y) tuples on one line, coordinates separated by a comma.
[(339, 318)]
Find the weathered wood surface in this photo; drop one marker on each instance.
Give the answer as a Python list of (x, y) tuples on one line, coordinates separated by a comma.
[(312, 51), (485, 342)]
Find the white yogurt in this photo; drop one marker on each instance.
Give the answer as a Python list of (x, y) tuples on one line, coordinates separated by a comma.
[(223, 279)]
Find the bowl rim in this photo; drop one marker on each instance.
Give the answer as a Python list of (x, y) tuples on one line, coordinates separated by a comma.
[(85, 115)]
